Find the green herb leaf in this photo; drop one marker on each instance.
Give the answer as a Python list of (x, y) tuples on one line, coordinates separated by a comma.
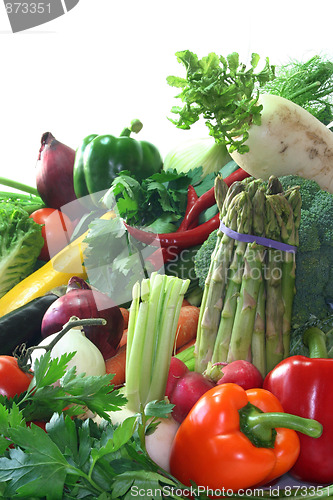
[(42, 464), (222, 91)]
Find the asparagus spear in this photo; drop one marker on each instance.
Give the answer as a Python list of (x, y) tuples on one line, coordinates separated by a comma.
[(210, 310), (293, 197), (242, 331), (221, 191), (273, 278), (258, 346), (244, 225)]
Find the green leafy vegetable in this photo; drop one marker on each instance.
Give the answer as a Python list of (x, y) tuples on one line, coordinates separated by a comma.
[(20, 244), (224, 92), (309, 84), (158, 202), (28, 202)]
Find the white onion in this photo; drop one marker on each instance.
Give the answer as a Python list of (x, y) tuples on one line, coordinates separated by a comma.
[(159, 443), (88, 358)]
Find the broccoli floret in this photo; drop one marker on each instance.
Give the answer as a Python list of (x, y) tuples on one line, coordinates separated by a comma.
[(203, 257), (308, 188), (314, 259), (297, 345)]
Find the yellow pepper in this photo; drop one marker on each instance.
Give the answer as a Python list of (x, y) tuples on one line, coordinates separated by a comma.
[(67, 263)]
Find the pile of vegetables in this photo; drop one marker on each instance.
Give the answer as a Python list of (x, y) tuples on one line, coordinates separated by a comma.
[(188, 299)]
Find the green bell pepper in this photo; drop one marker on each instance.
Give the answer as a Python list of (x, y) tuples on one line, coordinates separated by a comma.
[(100, 158)]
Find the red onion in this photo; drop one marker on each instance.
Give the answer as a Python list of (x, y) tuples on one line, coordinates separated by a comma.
[(54, 175), (81, 301)]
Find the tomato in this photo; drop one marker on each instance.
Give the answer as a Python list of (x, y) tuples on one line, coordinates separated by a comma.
[(57, 229), (13, 380)]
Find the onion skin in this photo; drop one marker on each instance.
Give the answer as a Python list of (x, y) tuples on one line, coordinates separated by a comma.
[(84, 304), (54, 172)]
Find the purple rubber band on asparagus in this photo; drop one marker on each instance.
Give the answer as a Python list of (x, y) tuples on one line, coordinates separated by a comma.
[(249, 238)]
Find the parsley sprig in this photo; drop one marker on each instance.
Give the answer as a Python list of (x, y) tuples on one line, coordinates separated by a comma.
[(54, 388), (224, 92)]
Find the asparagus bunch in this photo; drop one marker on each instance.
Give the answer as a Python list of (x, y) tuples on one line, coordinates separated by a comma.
[(247, 301)]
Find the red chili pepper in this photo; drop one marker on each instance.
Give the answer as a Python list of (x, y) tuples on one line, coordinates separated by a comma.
[(207, 200), (163, 255), (192, 198), (181, 240)]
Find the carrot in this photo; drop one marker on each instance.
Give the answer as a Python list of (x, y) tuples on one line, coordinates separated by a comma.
[(117, 366), (187, 325), (186, 346), (123, 340), (125, 313), (185, 303)]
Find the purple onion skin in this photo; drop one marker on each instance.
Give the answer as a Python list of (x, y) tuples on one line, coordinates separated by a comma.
[(82, 303), (54, 174)]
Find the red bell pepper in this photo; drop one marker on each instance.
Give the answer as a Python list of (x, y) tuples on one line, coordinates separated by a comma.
[(235, 439), (304, 387)]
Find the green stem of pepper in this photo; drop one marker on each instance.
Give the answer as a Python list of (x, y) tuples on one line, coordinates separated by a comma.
[(135, 127), (259, 426), (315, 340)]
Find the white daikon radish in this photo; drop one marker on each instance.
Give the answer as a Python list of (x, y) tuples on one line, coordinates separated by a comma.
[(289, 141)]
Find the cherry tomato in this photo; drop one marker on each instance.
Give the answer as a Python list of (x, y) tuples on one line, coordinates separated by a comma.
[(57, 229), (13, 380)]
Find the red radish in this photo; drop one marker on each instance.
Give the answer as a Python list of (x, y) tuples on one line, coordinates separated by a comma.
[(176, 371), (86, 303), (54, 173), (243, 373), (184, 388)]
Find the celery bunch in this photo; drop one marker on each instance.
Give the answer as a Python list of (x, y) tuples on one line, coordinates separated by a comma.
[(152, 327)]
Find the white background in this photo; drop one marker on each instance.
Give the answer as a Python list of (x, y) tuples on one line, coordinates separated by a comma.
[(105, 62)]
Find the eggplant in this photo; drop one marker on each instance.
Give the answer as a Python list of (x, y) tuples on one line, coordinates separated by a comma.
[(23, 325)]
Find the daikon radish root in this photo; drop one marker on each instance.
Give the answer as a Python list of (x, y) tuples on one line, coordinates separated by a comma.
[(289, 140)]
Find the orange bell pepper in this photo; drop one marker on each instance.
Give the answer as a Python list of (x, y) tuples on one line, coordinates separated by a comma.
[(235, 439)]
